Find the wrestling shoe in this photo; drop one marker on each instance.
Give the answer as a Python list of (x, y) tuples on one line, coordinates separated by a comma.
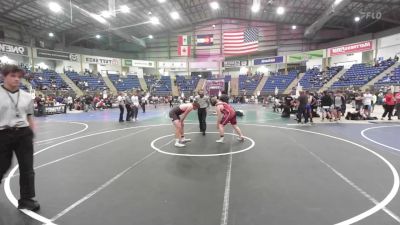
[(28, 204), (179, 145), (221, 140)]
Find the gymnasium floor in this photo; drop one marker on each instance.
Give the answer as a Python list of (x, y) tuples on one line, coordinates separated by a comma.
[(92, 170)]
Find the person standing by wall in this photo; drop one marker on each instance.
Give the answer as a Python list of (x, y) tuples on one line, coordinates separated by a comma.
[(202, 111), (16, 134)]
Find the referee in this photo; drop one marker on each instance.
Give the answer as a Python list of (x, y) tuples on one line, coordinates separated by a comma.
[(16, 135), (202, 111)]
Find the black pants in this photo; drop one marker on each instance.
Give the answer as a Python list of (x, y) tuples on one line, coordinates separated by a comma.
[(202, 114), (301, 111), (170, 104), (121, 113), (128, 112), (143, 107), (21, 142), (70, 106), (388, 111), (135, 111)]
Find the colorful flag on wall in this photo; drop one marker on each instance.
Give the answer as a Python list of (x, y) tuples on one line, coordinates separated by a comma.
[(205, 40), (183, 50), (240, 42), (184, 40)]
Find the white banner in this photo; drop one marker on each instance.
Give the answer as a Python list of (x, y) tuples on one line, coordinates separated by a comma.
[(101, 60), (138, 63), (172, 65)]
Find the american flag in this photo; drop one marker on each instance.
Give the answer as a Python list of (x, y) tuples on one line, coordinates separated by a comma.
[(241, 42)]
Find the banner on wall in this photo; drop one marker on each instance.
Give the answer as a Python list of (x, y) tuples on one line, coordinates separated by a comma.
[(269, 60), (235, 63), (204, 40), (351, 48), (172, 64), (214, 87), (44, 53), (304, 56), (13, 49), (100, 60), (138, 63)]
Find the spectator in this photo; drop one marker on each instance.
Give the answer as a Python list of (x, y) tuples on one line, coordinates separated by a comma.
[(389, 105)]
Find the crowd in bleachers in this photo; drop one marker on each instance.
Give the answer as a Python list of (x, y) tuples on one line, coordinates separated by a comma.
[(186, 85), (390, 79), (125, 83), (88, 82), (159, 87), (248, 83), (314, 79), (279, 81), (360, 74), (47, 80)]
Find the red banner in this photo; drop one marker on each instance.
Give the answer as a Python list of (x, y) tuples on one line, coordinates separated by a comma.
[(351, 48)]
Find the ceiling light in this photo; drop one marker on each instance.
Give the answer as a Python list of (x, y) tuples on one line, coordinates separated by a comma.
[(154, 20), (280, 10), (214, 5), (213, 26), (357, 18), (256, 6), (174, 15), (337, 2), (98, 18), (55, 7), (161, 1), (149, 13), (124, 9), (294, 27), (98, 36), (151, 36), (51, 34), (105, 14)]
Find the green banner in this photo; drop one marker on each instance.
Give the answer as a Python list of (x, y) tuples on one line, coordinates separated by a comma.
[(127, 62), (304, 56)]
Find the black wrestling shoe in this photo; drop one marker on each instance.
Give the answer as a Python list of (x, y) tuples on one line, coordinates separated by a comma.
[(28, 204), (204, 133)]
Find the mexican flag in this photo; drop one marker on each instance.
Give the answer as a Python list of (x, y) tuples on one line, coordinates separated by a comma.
[(184, 50), (184, 40)]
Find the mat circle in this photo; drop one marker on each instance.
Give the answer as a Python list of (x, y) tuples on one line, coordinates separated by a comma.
[(201, 155)]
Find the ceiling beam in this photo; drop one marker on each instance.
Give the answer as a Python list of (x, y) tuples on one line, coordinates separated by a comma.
[(16, 6)]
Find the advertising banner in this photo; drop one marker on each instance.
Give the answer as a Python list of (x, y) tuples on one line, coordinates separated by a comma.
[(100, 60), (44, 53), (304, 56), (172, 64), (138, 63), (13, 49), (351, 48), (235, 63), (269, 60)]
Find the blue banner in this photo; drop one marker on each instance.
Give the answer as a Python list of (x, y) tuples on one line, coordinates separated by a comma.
[(269, 60), (205, 40)]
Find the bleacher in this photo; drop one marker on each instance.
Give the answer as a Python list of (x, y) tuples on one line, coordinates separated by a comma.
[(187, 86), (280, 81), (313, 79), (125, 83), (48, 79), (161, 87), (360, 74), (390, 79), (94, 82), (249, 83)]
